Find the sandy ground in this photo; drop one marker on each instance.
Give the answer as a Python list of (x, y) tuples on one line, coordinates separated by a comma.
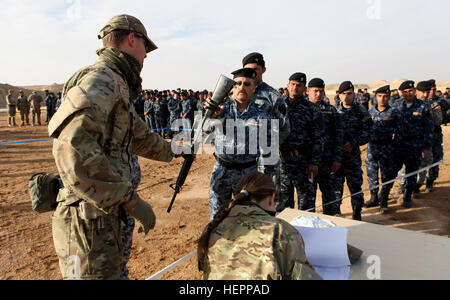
[(26, 245)]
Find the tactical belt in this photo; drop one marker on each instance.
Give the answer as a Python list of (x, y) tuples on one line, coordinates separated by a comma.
[(235, 166)]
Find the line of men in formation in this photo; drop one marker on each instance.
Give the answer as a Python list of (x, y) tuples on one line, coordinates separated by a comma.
[(159, 109), (320, 143), (33, 102)]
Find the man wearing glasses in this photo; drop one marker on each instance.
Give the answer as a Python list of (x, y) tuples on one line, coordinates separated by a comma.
[(96, 131), (236, 155)]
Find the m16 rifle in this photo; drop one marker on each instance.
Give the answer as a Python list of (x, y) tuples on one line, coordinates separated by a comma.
[(222, 90)]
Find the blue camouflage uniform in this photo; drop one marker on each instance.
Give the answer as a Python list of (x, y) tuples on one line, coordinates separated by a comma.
[(439, 106), (333, 139), (416, 135), (303, 147), (337, 101), (270, 100), (164, 116), (229, 168), (187, 108), (175, 111), (150, 117), (357, 125), (381, 149), (157, 112)]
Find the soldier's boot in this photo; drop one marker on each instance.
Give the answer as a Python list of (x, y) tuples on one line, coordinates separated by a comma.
[(357, 213), (430, 186), (384, 198), (374, 201), (417, 193), (407, 199)]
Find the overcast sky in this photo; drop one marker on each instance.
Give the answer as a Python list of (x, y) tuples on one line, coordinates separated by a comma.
[(46, 41)]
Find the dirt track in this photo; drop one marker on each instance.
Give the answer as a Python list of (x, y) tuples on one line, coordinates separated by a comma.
[(26, 245)]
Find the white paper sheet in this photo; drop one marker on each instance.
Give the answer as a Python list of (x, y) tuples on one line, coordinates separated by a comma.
[(326, 250)]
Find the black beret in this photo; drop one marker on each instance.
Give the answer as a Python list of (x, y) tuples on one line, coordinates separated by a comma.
[(384, 90), (245, 72), (316, 83), (184, 93), (433, 83), (409, 84), (300, 77), (424, 86), (345, 86), (254, 58)]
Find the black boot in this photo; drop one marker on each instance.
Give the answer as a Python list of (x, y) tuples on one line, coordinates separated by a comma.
[(384, 198), (430, 187), (417, 191), (374, 201), (407, 201), (357, 213)]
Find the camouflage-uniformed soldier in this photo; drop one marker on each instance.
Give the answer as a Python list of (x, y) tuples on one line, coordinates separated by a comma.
[(24, 108), (332, 153), (246, 242), (11, 103), (386, 123), (187, 109), (236, 157), (415, 138), (158, 115), (148, 110), (270, 100), (96, 130), (357, 124), (174, 106), (438, 106), (301, 153), (423, 90), (35, 101)]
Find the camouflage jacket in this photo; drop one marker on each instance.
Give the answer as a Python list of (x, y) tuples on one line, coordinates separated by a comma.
[(249, 244), (22, 103), (386, 124), (231, 147), (270, 100), (96, 131), (417, 130), (307, 131), (334, 134), (35, 101), (357, 124)]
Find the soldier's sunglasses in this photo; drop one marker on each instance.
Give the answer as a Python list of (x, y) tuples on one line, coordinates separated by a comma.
[(245, 83), (147, 44)]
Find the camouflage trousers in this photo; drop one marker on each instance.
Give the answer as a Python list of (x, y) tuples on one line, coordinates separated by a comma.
[(25, 116), (326, 182), (127, 241), (379, 160), (293, 176), (411, 159), (223, 183), (438, 155), (88, 249), (36, 116), (351, 171)]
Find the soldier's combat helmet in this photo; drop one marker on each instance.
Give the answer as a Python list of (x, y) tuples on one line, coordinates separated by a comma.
[(130, 23)]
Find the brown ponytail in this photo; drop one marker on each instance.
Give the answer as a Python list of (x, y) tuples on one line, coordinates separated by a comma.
[(254, 186)]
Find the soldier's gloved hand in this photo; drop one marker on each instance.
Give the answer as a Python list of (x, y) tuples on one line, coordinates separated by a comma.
[(142, 212)]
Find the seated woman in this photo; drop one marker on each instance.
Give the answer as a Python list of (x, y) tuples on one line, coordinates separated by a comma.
[(246, 242)]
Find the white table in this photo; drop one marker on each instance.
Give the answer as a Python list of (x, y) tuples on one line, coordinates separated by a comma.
[(391, 253)]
